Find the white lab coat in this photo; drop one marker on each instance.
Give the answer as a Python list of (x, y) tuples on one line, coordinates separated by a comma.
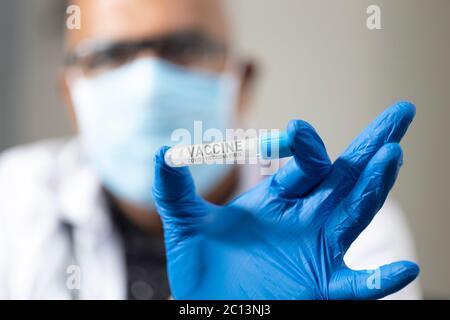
[(44, 184)]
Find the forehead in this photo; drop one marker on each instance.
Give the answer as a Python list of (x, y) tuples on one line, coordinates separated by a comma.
[(136, 19)]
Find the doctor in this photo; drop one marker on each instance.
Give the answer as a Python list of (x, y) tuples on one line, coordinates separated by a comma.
[(77, 216)]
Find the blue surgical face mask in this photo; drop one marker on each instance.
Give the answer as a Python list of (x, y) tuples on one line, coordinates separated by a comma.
[(127, 114)]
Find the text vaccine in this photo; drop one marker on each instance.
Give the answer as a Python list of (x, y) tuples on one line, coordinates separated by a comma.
[(240, 151)]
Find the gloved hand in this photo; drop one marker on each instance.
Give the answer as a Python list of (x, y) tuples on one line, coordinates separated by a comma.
[(286, 238)]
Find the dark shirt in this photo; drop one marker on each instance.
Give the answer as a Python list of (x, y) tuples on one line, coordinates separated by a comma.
[(144, 257)]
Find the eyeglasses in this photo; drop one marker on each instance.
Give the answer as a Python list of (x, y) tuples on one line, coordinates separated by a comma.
[(185, 48)]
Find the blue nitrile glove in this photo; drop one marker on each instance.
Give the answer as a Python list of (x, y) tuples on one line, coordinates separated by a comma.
[(286, 238)]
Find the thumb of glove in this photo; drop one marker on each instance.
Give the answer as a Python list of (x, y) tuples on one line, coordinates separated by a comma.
[(174, 190)]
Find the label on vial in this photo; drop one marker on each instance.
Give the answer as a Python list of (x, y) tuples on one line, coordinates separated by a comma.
[(224, 152)]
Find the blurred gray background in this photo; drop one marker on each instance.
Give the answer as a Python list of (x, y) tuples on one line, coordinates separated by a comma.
[(319, 62)]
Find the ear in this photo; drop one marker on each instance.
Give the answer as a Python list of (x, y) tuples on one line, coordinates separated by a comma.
[(66, 97), (248, 71)]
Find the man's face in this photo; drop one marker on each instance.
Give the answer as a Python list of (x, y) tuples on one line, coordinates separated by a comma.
[(139, 69), (192, 33)]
